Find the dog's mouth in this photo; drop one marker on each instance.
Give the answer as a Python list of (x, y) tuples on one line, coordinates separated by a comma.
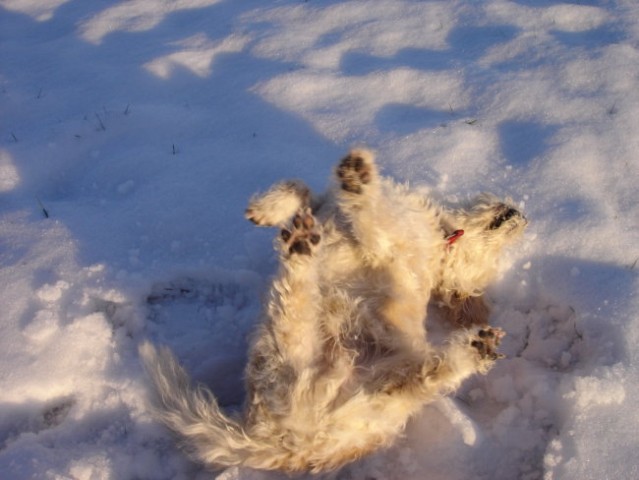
[(505, 214)]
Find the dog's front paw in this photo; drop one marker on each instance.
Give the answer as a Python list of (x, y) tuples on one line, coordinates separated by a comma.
[(278, 204), (355, 171), (485, 343), (303, 237)]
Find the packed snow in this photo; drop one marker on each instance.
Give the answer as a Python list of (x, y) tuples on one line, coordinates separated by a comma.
[(132, 134)]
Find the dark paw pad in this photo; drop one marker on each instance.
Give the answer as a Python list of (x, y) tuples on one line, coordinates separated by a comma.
[(303, 237), (487, 341), (300, 247), (354, 172)]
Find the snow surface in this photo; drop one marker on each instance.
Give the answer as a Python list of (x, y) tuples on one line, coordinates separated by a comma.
[(133, 132)]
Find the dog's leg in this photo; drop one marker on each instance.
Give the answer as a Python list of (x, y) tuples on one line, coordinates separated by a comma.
[(278, 204), (288, 343), (358, 194), (468, 352), (401, 295), (437, 371), (294, 298)]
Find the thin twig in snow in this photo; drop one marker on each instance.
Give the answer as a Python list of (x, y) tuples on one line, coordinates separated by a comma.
[(102, 127), (44, 210)]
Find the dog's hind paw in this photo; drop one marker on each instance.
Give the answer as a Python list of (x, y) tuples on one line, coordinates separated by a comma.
[(355, 171), (303, 237), (486, 341)]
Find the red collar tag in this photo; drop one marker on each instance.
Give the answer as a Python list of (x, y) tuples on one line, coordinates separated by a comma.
[(453, 237)]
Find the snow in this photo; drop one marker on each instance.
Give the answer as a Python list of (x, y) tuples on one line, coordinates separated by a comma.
[(132, 134)]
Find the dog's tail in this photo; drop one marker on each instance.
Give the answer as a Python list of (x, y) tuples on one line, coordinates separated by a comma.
[(194, 415)]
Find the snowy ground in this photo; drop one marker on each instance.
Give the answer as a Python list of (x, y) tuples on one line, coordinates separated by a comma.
[(133, 132)]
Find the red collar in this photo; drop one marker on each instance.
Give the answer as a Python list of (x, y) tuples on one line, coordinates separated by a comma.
[(453, 237)]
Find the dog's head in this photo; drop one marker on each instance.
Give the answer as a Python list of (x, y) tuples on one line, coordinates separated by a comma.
[(498, 221)]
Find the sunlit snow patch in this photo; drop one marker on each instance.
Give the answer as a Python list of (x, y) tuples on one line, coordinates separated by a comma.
[(41, 11), (9, 177), (197, 54), (135, 16)]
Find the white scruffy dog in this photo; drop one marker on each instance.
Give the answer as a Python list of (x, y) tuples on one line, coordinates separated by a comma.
[(341, 360)]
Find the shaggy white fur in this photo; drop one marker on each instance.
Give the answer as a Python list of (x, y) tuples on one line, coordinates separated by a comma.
[(341, 360)]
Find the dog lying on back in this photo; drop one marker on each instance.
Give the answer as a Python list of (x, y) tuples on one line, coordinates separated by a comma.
[(341, 360)]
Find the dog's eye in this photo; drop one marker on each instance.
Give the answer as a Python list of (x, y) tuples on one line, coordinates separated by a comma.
[(504, 217)]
